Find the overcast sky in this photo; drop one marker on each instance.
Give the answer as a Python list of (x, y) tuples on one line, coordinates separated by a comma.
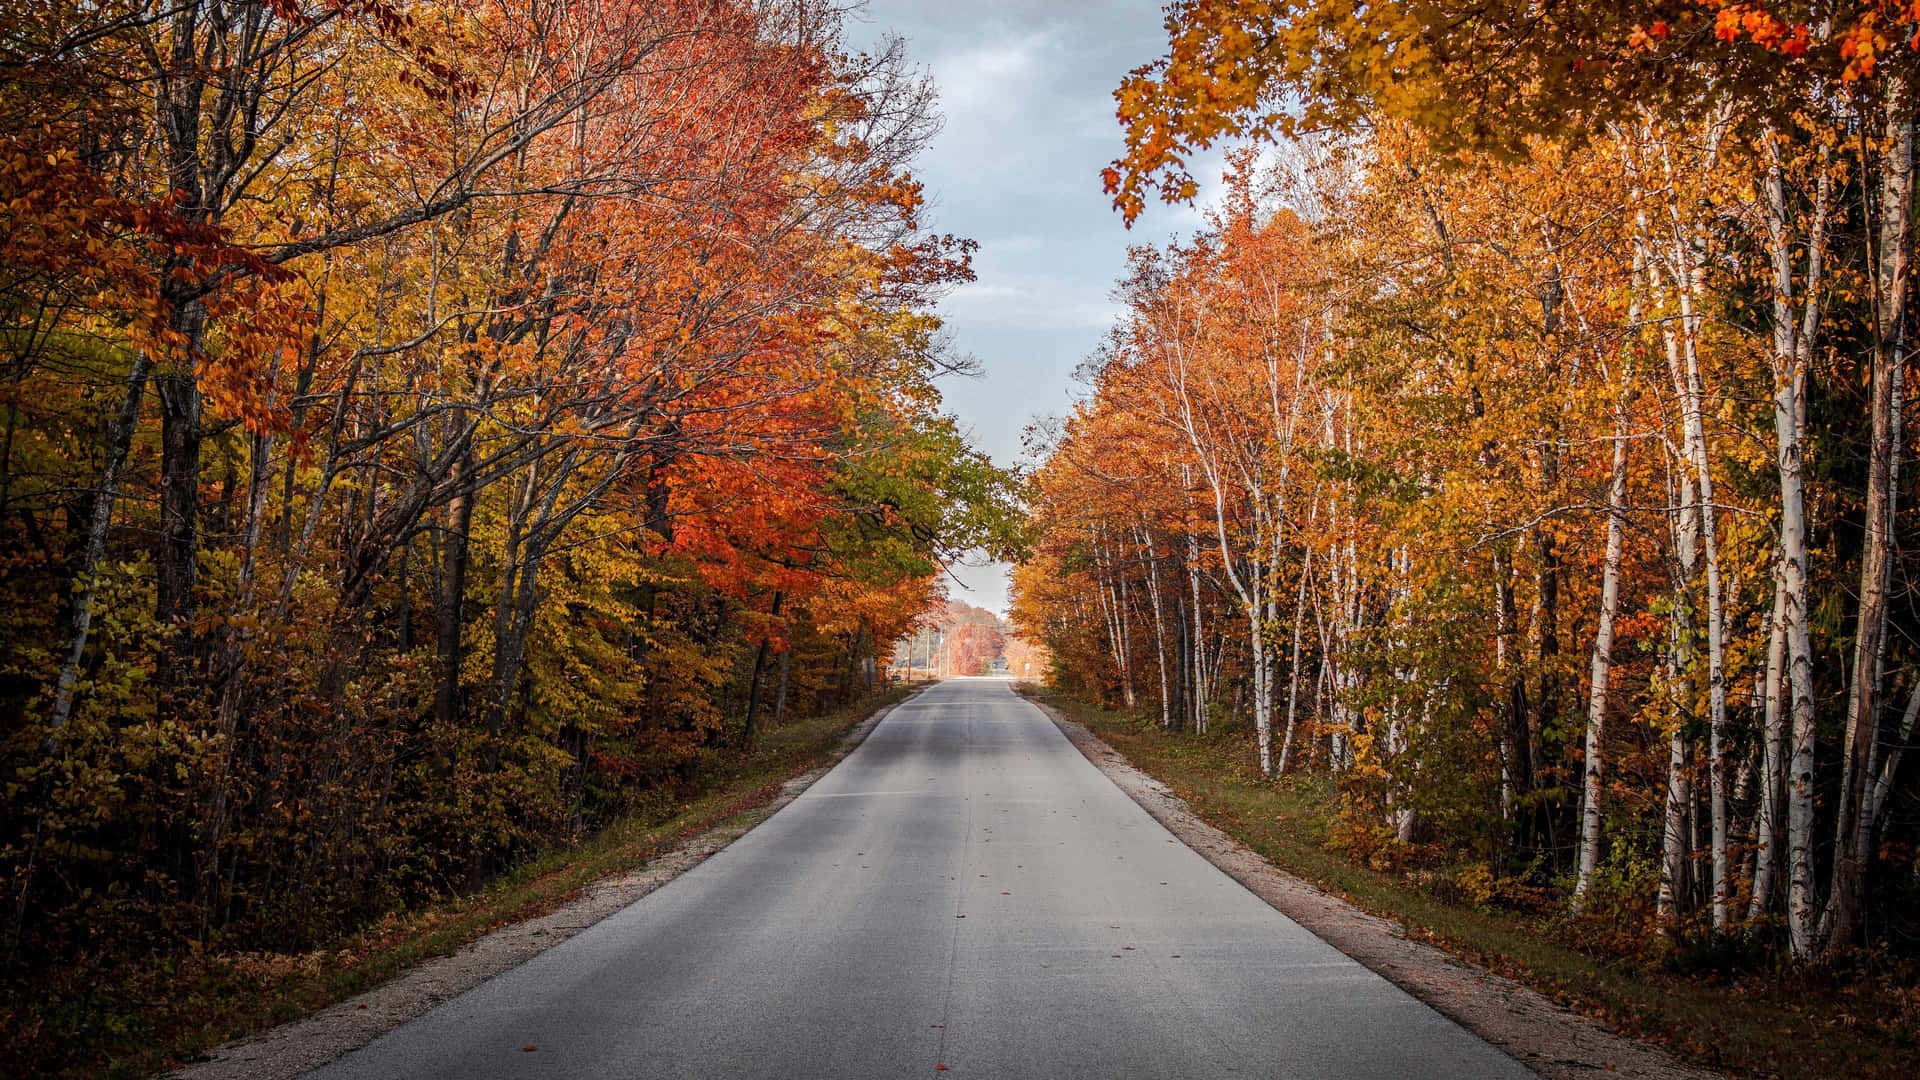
[(1026, 89)]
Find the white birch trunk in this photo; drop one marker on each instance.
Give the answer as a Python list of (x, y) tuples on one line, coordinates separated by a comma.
[(1853, 839), (1159, 622), (1766, 839), (1793, 337), (1293, 666), (1689, 276), (1601, 671)]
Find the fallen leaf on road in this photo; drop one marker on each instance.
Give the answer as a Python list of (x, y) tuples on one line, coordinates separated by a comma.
[(527, 1049)]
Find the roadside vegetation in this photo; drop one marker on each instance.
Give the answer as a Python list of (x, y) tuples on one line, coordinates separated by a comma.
[(145, 1016), (1713, 1007)]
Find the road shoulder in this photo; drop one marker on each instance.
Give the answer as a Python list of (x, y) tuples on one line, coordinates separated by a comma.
[(1543, 1036), (293, 1049)]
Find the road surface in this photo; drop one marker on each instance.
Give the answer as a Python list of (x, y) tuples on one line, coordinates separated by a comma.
[(965, 890)]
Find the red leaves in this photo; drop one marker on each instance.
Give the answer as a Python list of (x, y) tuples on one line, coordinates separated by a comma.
[(1648, 37), (968, 647), (1762, 27), (1862, 34)]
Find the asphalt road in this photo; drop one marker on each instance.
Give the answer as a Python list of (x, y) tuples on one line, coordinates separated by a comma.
[(963, 890)]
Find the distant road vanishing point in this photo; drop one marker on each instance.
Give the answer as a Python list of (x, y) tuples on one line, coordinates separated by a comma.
[(965, 895)]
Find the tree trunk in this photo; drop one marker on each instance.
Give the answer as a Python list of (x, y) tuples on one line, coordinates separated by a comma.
[(1767, 810), (1159, 623), (1516, 742), (99, 523), (1890, 766), (1293, 665), (1793, 340), (1123, 606), (759, 666), (1199, 639), (1183, 661), (1675, 831), (450, 618), (753, 690), (1262, 723), (1694, 399), (518, 601), (176, 565), (1853, 833), (1601, 671), (780, 698)]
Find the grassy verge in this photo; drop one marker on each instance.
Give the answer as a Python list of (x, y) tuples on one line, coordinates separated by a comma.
[(177, 1007), (1755, 1021)]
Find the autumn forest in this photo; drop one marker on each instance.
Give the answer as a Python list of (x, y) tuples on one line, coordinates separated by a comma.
[(1521, 447), (433, 431), (440, 435)]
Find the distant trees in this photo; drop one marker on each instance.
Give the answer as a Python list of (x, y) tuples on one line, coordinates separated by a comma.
[(973, 647), (957, 639), (1025, 660)]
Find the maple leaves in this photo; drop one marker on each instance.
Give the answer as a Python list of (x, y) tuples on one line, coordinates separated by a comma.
[(1481, 77), (1860, 33)]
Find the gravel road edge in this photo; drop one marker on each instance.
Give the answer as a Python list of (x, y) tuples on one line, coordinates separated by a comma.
[(1541, 1035)]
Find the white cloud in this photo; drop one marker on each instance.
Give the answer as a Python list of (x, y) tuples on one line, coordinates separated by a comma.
[(989, 78), (1026, 87), (1009, 244), (1028, 302)]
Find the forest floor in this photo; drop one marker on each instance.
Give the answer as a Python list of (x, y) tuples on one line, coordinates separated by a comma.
[(1740, 1016), (177, 1008)]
